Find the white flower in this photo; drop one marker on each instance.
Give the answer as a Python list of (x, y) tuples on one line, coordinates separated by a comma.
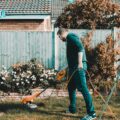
[(22, 83), (3, 78), (41, 79), (27, 76), (28, 82), (33, 82), (17, 84), (33, 77), (29, 72), (1, 82)]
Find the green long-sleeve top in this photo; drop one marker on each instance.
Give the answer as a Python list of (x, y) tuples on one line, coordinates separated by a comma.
[(74, 46)]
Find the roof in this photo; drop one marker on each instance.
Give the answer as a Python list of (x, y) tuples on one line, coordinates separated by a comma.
[(57, 7), (35, 7), (116, 1), (23, 7)]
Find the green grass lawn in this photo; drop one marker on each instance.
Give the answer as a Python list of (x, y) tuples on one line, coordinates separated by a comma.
[(54, 109)]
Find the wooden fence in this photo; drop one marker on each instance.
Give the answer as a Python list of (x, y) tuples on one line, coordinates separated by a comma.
[(21, 46)]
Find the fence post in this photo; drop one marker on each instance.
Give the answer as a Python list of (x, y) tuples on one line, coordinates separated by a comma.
[(116, 36), (56, 49)]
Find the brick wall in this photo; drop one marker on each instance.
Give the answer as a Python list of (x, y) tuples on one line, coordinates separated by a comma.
[(34, 25)]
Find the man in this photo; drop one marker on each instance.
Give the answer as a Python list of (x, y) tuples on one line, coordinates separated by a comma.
[(77, 65)]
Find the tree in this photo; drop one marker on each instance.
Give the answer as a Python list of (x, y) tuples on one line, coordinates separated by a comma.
[(88, 14)]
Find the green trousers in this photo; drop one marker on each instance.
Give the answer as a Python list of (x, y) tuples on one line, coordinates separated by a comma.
[(78, 81)]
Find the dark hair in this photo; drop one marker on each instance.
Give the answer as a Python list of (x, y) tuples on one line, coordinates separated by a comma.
[(62, 30)]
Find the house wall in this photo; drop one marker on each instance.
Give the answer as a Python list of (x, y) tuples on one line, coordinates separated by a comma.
[(34, 25)]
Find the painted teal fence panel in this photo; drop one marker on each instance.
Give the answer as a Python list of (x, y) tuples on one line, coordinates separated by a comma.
[(22, 46)]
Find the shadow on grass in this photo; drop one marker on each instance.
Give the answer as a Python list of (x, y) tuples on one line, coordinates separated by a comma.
[(4, 107), (15, 108)]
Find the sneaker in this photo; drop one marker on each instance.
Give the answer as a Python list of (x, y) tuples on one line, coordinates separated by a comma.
[(31, 106), (89, 117)]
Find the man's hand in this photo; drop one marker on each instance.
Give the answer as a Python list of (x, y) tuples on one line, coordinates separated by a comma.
[(80, 66)]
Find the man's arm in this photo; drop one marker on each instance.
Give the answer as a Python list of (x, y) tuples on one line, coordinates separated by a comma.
[(80, 56)]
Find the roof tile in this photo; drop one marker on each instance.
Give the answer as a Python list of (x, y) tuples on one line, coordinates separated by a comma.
[(26, 6)]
